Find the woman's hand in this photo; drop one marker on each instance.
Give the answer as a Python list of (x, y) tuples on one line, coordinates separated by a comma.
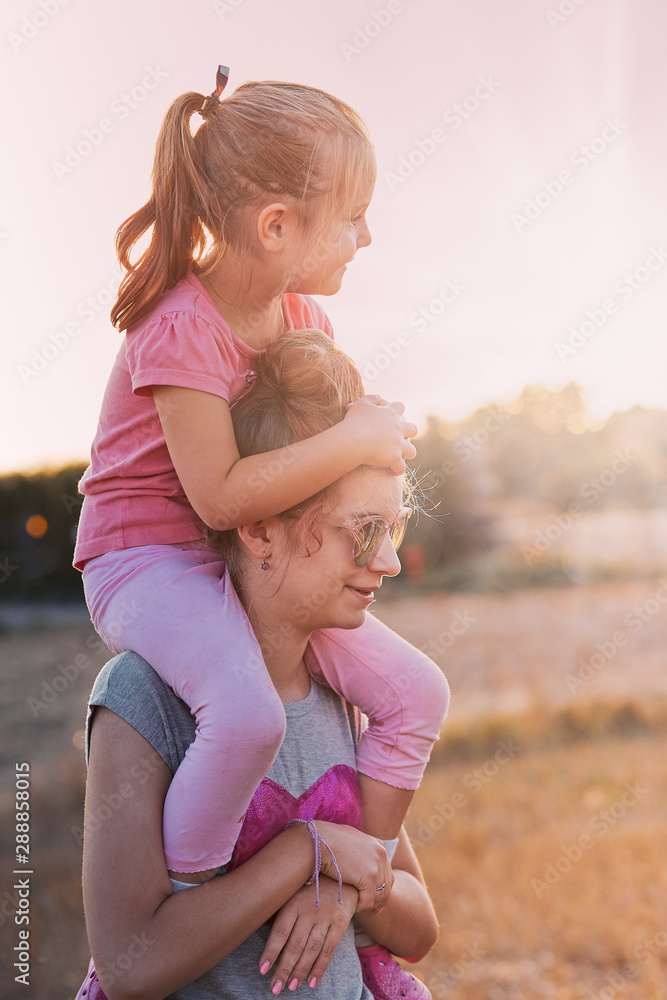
[(384, 437), (304, 937), (362, 861)]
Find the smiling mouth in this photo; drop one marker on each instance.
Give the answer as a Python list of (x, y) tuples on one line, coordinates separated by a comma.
[(367, 593)]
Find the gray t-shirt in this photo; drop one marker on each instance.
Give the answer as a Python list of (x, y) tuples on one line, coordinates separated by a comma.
[(320, 734)]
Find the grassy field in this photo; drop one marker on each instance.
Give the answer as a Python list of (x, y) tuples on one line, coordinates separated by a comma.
[(541, 822)]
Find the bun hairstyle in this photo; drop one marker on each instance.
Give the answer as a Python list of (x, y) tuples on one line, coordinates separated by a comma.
[(266, 140), (303, 383)]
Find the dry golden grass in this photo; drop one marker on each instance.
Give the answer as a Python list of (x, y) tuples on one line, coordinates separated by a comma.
[(547, 867), (524, 770)]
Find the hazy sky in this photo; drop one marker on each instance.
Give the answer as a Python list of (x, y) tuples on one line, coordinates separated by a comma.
[(519, 220)]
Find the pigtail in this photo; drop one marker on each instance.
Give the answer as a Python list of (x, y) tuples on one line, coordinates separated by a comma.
[(178, 239)]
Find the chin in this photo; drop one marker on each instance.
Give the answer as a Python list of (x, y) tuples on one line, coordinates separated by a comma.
[(328, 286), (348, 621)]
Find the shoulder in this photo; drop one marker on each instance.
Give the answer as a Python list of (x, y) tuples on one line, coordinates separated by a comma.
[(129, 686), (306, 314), (187, 301)]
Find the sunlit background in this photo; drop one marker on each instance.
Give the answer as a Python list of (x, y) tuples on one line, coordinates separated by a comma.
[(514, 298), (515, 94)]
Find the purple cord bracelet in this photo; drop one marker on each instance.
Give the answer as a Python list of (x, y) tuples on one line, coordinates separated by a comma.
[(317, 840)]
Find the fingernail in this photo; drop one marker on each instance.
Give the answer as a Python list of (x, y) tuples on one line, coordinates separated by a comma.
[(293, 984), (312, 982), (264, 967), (276, 988)]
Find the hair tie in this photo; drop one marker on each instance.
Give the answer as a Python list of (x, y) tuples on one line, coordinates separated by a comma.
[(213, 99)]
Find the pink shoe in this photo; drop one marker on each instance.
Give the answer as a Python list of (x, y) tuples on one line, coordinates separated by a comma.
[(386, 979)]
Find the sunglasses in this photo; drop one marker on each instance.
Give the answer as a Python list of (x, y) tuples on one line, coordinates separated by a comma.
[(369, 534)]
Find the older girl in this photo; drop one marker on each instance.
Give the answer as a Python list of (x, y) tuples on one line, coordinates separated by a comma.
[(314, 566)]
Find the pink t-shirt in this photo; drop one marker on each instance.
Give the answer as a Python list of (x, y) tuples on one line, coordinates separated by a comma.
[(132, 493)]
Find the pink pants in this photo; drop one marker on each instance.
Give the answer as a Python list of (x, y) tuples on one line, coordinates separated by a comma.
[(176, 607)]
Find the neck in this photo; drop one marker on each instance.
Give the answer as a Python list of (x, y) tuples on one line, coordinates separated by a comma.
[(253, 310), (283, 646)]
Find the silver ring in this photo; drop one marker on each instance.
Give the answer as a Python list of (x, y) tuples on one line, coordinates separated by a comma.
[(380, 888)]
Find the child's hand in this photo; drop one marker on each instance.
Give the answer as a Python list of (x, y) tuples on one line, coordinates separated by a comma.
[(362, 862), (304, 938), (382, 434)]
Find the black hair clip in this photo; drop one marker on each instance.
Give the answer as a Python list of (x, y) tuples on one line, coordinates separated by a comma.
[(221, 78)]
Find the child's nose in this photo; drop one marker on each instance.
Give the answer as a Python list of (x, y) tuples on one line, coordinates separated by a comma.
[(364, 238)]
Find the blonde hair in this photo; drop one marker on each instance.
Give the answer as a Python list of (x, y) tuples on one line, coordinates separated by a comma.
[(303, 383), (265, 139)]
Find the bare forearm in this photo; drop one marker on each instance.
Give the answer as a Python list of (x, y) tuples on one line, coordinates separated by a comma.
[(407, 925), (263, 485), (192, 930), (385, 807)]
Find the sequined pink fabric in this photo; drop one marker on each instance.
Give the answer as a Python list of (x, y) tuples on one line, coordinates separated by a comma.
[(334, 798), (90, 988)]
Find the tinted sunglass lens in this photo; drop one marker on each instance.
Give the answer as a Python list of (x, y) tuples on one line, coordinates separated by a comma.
[(368, 542), (398, 531)]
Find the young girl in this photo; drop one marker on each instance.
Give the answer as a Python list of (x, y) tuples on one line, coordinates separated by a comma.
[(263, 206)]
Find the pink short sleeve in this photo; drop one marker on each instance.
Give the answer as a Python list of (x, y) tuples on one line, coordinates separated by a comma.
[(182, 348)]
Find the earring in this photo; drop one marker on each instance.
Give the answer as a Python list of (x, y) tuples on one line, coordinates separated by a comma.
[(264, 564)]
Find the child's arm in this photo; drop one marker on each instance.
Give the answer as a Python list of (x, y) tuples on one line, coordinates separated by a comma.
[(302, 937), (226, 490), (407, 925)]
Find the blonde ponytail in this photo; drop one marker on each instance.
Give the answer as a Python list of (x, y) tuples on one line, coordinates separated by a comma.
[(267, 139)]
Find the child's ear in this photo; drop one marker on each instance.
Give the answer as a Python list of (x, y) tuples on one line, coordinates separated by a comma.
[(272, 224)]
